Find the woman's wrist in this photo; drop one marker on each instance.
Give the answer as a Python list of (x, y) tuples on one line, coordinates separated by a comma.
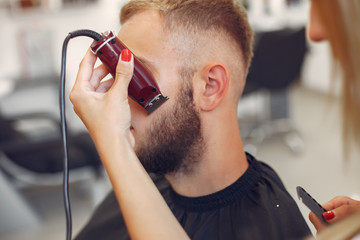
[(114, 146)]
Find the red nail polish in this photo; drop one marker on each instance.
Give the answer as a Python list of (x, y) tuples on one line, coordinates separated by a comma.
[(328, 215), (125, 55)]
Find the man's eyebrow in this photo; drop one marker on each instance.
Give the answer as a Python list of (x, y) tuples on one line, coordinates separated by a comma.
[(148, 64)]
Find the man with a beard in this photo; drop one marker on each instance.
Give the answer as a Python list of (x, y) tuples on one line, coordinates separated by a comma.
[(199, 52)]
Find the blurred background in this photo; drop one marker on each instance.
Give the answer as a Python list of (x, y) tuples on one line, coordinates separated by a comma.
[(287, 116)]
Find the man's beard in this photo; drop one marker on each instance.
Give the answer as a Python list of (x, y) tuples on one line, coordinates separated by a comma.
[(174, 142)]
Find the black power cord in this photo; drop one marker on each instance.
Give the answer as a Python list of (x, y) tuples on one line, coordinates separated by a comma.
[(96, 37)]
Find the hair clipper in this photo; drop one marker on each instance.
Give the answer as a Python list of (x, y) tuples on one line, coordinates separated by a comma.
[(142, 88)]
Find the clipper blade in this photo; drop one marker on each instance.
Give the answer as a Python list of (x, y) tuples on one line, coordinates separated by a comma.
[(155, 102)]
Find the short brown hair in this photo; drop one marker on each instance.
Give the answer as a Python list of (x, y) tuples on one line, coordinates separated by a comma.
[(228, 16)]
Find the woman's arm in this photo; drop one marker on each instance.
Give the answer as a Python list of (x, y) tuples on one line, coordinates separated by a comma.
[(103, 107)]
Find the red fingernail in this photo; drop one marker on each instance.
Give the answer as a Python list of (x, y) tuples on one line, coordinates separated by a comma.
[(328, 215), (125, 55)]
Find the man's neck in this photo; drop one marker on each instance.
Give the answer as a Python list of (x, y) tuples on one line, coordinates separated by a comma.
[(221, 164)]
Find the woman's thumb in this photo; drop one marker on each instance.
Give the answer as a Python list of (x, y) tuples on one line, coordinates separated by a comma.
[(124, 71)]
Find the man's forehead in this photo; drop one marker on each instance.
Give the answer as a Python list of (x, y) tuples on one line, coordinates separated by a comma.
[(146, 19), (146, 13), (142, 32)]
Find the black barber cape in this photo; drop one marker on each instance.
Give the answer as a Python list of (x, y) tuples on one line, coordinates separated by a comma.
[(256, 206)]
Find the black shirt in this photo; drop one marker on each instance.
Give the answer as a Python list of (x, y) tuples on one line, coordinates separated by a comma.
[(256, 206)]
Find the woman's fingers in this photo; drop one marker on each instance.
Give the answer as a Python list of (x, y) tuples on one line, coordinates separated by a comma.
[(105, 85), (338, 208), (89, 78), (318, 224), (340, 213), (85, 72), (340, 201), (124, 72), (99, 73)]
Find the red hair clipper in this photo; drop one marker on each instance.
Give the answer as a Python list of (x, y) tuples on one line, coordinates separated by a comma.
[(142, 88)]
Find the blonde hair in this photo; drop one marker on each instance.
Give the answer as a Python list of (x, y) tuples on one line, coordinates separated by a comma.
[(341, 20), (228, 16)]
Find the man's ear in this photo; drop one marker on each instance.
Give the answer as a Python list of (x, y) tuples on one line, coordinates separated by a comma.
[(214, 84)]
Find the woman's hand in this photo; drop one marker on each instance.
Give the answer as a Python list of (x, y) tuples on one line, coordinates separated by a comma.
[(338, 208), (102, 105)]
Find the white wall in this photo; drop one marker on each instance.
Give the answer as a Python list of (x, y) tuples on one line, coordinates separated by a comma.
[(100, 17), (317, 69)]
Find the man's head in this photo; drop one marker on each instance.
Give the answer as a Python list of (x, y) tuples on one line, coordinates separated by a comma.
[(199, 52), (189, 22)]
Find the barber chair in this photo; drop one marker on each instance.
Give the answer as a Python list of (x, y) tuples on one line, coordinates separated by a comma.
[(276, 66), (36, 156), (33, 158)]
